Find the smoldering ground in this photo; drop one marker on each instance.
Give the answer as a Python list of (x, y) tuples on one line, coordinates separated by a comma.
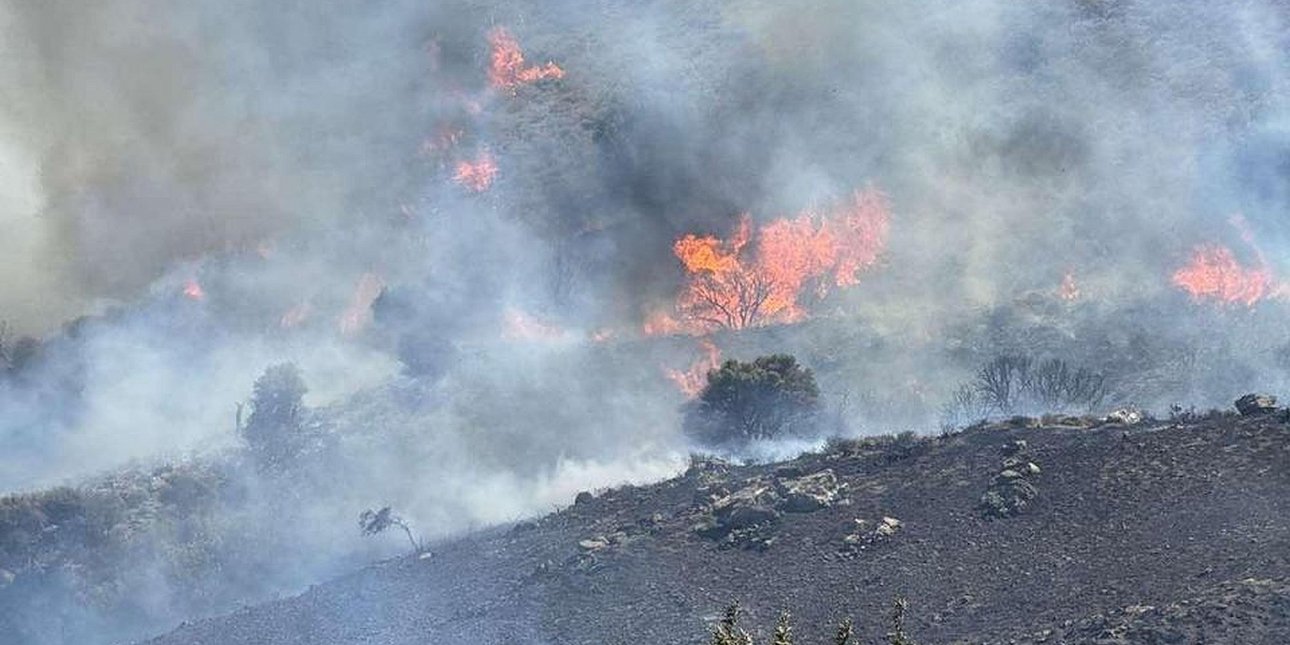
[(278, 155)]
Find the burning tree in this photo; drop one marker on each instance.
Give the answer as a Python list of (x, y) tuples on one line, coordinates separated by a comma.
[(277, 400), (743, 402), (756, 279)]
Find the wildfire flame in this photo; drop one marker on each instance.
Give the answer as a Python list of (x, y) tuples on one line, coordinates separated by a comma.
[(523, 326), (692, 381), (1214, 273), (193, 290), (506, 68), (733, 285), (1069, 289), (295, 316), (476, 176), (358, 315)]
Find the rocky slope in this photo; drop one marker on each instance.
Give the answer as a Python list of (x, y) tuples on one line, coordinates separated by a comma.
[(1160, 531)]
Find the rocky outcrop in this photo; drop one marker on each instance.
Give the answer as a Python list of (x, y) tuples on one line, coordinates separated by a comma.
[(1255, 404), (746, 517), (1013, 488)]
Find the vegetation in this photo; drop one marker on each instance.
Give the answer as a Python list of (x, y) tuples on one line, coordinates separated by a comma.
[(273, 430), (728, 632), (1012, 384), (374, 522), (742, 402)]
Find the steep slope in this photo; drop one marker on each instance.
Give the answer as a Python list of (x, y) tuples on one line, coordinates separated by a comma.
[(1173, 516)]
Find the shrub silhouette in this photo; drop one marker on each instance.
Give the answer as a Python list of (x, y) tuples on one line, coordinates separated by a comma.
[(742, 402), (273, 430)]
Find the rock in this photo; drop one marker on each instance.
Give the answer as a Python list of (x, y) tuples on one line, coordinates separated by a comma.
[(749, 516), (582, 498), (1252, 404), (809, 493), (1127, 416), (1014, 447), (752, 495), (594, 544), (888, 527)]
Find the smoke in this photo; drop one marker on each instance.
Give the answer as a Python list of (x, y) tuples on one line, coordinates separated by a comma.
[(287, 159)]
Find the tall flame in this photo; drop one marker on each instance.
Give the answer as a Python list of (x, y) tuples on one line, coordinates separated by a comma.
[(692, 380), (1214, 273), (734, 286), (477, 175), (358, 315), (506, 68)]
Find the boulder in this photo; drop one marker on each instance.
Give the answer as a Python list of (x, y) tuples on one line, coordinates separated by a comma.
[(1014, 447), (1254, 404), (749, 516), (1127, 416), (751, 495), (809, 493)]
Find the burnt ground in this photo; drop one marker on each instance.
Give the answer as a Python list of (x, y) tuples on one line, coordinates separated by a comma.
[(1166, 532)]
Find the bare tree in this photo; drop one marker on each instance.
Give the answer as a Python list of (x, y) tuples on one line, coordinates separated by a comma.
[(732, 300), (373, 522)]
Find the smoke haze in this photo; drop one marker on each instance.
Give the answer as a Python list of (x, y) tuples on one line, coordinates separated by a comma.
[(190, 192)]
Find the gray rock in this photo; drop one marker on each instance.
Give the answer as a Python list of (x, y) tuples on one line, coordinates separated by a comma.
[(1253, 404), (749, 516), (809, 493)]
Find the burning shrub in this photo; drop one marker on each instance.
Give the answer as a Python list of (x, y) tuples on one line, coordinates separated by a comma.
[(764, 399), (1011, 385), (272, 432)]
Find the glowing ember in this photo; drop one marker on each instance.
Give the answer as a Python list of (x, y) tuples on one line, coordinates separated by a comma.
[(358, 315), (506, 68), (522, 326), (193, 290), (1069, 289), (476, 175), (692, 381), (733, 286), (1214, 273)]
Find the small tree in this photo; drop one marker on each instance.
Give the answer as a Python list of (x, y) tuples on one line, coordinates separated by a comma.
[(743, 402), (277, 400), (844, 633), (897, 635), (727, 630), (783, 634), (373, 522)]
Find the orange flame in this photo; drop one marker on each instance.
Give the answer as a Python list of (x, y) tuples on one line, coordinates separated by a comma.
[(295, 316), (506, 68), (732, 287), (358, 315), (692, 381), (476, 176), (1214, 273), (523, 326), (193, 290), (1069, 289)]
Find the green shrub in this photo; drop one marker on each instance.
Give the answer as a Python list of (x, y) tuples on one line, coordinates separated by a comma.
[(742, 402)]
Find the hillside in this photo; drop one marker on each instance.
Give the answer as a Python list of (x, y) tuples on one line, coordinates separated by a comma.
[(1161, 531)]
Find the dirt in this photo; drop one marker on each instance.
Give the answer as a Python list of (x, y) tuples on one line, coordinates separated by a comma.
[(1162, 532)]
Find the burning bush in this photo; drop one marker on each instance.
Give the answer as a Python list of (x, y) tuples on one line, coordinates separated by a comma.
[(273, 430), (742, 402)]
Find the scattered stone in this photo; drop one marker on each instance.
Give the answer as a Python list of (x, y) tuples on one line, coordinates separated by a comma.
[(597, 543), (863, 537), (809, 493), (1127, 416), (1011, 491), (1014, 447), (1254, 404)]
